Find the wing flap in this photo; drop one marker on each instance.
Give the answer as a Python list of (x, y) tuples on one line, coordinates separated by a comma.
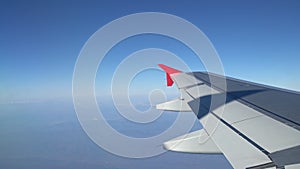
[(195, 142), (177, 105), (237, 149), (253, 124), (284, 137)]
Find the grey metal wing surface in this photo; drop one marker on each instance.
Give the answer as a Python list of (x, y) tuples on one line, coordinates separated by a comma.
[(253, 125)]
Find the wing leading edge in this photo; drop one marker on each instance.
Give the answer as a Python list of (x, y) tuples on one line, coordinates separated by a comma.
[(253, 125)]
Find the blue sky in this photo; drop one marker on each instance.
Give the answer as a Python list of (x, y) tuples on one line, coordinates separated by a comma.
[(40, 40)]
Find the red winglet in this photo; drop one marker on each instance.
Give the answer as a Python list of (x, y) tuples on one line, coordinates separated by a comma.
[(169, 71)]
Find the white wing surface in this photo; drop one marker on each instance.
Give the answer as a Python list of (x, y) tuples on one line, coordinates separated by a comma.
[(253, 125)]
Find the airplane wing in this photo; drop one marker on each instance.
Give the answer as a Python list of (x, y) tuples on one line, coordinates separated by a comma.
[(255, 126)]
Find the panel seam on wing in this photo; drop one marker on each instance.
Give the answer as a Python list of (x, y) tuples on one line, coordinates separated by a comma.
[(247, 119)]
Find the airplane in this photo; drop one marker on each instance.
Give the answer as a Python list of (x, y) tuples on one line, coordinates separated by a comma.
[(253, 125)]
